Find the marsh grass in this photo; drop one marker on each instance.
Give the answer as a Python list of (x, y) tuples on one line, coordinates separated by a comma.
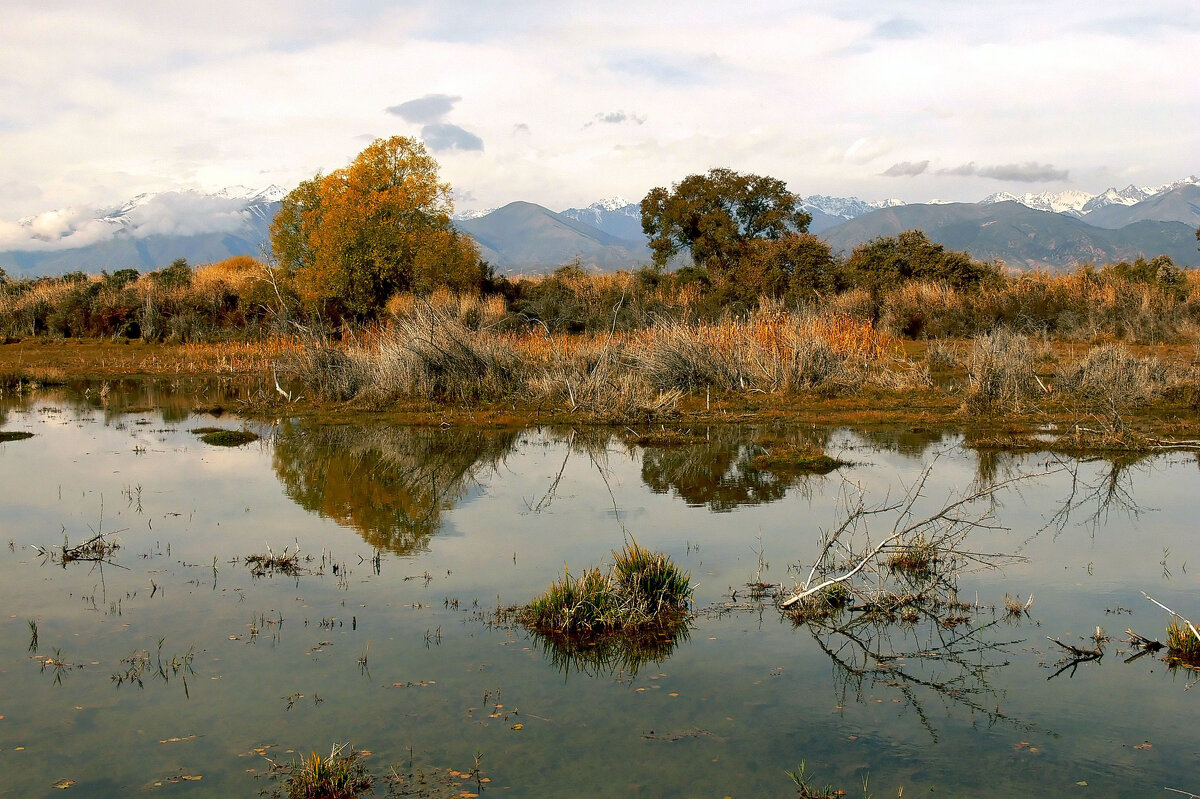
[(1182, 641), (917, 557), (1110, 378), (791, 459), (638, 608), (340, 775), (287, 563), (219, 437), (1001, 372)]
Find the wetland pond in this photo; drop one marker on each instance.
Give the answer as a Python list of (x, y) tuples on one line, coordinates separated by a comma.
[(172, 666)]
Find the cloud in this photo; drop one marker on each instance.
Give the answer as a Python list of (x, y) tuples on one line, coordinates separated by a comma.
[(425, 110), (898, 28), (430, 112), (615, 118), (905, 169), (1028, 172), (961, 170), (174, 213), (669, 70), (443, 136), (866, 149)]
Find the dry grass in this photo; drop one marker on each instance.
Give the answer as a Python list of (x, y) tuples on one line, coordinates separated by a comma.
[(1110, 378), (1001, 372), (1182, 641), (428, 354)]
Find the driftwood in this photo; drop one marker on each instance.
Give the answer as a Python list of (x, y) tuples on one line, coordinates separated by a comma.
[(945, 530), (1191, 626)]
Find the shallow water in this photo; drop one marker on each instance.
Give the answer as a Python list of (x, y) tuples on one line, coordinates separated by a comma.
[(431, 528)]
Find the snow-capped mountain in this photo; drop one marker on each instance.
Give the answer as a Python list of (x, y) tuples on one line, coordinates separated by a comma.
[(464, 216), (1081, 203), (845, 207), (1070, 202), (147, 231), (615, 216)]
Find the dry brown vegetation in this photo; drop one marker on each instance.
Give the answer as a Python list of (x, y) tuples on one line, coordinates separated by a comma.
[(1094, 349)]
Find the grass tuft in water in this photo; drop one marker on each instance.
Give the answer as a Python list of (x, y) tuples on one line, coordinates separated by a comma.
[(1182, 641), (14, 435), (915, 558), (341, 775), (634, 613), (220, 437), (789, 459)]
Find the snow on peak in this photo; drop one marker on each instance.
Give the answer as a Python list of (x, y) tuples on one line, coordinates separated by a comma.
[(615, 203), (463, 216), (1071, 201)]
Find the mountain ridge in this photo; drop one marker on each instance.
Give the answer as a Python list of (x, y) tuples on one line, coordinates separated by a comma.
[(1043, 230)]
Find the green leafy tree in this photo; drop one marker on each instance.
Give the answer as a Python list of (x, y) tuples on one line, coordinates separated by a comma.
[(886, 262), (351, 239), (716, 216)]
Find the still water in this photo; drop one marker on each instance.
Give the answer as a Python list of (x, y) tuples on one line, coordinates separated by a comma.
[(172, 669)]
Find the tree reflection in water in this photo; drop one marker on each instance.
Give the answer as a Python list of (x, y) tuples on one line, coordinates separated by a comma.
[(391, 483), (719, 472)]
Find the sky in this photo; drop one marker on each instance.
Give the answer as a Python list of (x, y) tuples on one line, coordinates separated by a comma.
[(565, 103)]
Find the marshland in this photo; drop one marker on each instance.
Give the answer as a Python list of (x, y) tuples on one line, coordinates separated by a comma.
[(775, 520), (354, 591)]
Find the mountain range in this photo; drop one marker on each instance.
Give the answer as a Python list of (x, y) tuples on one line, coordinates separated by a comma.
[(1048, 230)]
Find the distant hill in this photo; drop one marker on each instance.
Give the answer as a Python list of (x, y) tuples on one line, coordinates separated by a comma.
[(614, 216), (1048, 230), (525, 237), (1178, 204), (1021, 236), (146, 233)]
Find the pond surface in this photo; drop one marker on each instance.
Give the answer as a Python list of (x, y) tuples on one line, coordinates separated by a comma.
[(172, 669)]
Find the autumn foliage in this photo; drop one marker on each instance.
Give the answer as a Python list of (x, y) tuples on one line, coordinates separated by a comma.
[(351, 239)]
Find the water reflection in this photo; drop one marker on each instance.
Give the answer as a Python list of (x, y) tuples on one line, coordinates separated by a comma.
[(607, 656), (719, 472), (174, 399), (392, 484)]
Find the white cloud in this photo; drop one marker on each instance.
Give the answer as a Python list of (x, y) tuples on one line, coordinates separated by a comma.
[(168, 214), (101, 101)]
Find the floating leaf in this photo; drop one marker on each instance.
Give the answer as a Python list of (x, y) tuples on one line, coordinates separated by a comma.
[(63, 784), (518, 726)]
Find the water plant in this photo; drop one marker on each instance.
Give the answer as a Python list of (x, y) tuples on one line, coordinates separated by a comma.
[(221, 437), (787, 459), (269, 563), (917, 557), (635, 612), (340, 775), (1183, 642), (805, 790), (14, 435), (644, 590)]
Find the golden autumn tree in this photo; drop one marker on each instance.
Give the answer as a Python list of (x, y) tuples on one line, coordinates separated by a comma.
[(353, 238)]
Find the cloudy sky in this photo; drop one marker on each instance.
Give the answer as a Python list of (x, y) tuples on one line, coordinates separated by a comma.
[(564, 103)]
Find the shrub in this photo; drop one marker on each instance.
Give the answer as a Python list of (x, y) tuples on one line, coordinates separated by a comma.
[(1001, 371), (1110, 377)]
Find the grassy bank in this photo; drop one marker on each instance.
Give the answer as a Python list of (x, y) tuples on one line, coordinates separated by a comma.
[(1099, 356)]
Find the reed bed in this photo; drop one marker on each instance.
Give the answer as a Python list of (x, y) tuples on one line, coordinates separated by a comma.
[(429, 354)]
